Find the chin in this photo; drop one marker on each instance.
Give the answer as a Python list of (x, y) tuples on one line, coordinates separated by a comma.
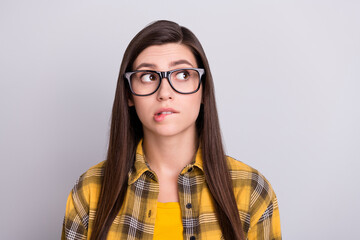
[(168, 132), (172, 130)]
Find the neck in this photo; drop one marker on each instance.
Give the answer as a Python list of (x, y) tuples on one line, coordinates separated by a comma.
[(170, 154)]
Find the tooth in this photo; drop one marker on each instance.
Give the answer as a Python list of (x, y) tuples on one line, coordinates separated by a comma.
[(167, 113)]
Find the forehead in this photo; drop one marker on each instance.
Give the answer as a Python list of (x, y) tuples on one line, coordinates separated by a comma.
[(164, 56)]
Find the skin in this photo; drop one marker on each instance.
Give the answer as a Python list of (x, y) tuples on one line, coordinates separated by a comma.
[(169, 144)]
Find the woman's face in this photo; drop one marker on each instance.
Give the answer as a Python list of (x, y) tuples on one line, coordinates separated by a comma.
[(166, 112)]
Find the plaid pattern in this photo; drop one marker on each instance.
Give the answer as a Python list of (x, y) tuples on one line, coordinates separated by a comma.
[(256, 200)]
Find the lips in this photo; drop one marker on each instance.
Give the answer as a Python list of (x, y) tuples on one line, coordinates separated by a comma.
[(162, 113)]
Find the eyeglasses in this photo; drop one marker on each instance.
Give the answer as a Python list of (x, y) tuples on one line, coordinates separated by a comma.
[(147, 82)]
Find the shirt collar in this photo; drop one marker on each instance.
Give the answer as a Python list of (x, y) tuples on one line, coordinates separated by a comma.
[(141, 166)]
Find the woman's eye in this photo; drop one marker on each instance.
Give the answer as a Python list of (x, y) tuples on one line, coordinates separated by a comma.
[(182, 75), (148, 77)]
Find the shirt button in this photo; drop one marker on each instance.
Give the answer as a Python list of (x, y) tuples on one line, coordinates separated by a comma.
[(190, 169), (192, 238), (188, 206)]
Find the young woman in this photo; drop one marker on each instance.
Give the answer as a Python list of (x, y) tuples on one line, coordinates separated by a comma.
[(166, 175)]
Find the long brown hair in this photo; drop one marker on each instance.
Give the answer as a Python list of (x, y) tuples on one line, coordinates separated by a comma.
[(126, 131)]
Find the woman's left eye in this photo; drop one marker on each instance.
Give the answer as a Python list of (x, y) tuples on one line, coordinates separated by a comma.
[(182, 75)]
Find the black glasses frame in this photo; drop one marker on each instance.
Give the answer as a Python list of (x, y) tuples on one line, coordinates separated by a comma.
[(166, 75)]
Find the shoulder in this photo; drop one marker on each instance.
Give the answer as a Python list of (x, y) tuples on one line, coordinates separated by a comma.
[(88, 186), (253, 192), (81, 203), (93, 174), (237, 165), (256, 200), (251, 188), (243, 174)]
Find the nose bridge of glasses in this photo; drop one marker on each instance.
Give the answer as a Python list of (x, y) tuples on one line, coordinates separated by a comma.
[(168, 82), (164, 75)]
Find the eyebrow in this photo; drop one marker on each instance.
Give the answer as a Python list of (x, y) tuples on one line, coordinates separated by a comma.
[(172, 64), (178, 62)]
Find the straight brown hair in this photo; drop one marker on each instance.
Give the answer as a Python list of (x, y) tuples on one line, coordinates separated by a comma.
[(126, 132)]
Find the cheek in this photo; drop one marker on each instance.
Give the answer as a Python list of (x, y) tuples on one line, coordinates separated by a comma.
[(195, 105), (141, 108)]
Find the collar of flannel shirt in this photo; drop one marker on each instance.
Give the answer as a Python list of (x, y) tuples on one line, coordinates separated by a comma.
[(141, 166)]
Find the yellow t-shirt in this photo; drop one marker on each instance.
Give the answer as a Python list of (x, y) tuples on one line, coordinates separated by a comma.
[(168, 224)]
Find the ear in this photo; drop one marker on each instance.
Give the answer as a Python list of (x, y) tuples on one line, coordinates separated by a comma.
[(130, 102)]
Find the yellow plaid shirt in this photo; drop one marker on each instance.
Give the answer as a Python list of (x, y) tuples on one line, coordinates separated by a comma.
[(256, 201)]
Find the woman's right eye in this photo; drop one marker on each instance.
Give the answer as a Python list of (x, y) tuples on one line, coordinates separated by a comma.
[(148, 77)]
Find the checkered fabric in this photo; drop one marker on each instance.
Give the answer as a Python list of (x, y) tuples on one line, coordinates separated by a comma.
[(256, 201)]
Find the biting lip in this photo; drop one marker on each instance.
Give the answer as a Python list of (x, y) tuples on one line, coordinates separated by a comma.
[(165, 111)]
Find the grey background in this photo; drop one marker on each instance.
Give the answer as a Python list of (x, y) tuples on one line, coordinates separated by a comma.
[(287, 82)]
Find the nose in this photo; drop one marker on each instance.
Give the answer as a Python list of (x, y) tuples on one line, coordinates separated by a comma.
[(165, 91)]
